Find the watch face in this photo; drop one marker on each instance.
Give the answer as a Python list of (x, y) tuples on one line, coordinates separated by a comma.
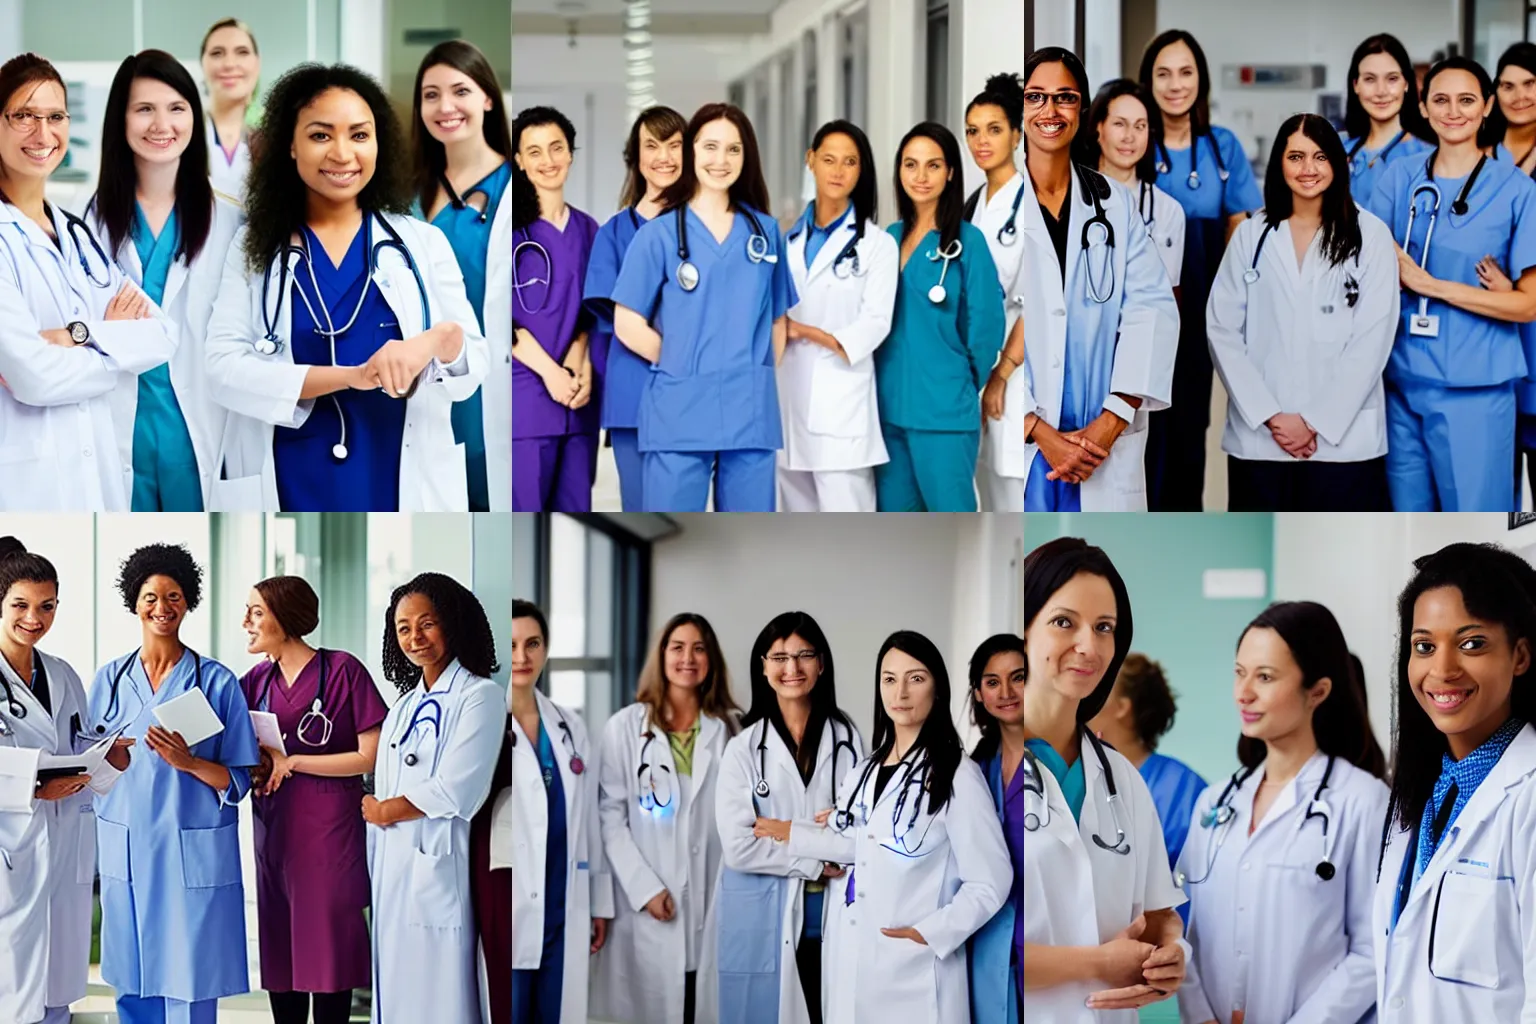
[(79, 332)]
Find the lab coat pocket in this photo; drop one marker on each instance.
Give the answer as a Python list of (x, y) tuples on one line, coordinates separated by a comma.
[(1472, 917), (434, 900), (112, 839), (749, 922), (910, 976), (840, 399), (210, 857), (85, 854), (239, 495)]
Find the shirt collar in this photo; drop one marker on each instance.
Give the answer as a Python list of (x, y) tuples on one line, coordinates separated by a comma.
[(1470, 771), (808, 219)]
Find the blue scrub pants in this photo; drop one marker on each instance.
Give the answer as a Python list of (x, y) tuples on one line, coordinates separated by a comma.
[(1450, 449), (679, 481), (536, 994), (159, 1010), (1044, 495), (626, 455), (929, 471)]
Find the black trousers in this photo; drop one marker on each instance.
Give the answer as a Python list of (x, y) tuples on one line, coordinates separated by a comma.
[(1175, 459), (1307, 486), (293, 1007), (808, 962), (690, 996)]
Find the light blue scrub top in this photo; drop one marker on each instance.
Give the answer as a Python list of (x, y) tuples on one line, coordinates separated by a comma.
[(622, 373), (469, 234), (714, 388), (816, 237), (1367, 166), (172, 902), (165, 477), (1470, 350), (930, 371)]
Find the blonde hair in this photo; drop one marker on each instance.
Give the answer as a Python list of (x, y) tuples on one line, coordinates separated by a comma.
[(714, 693)]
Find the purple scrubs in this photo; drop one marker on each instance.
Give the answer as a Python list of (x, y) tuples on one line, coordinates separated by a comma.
[(554, 449), (1013, 832), (311, 847)]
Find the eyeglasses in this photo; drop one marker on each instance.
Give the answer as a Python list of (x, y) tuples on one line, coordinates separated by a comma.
[(783, 660), (1064, 100), (26, 120)]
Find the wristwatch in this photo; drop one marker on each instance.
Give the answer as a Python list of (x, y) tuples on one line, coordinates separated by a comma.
[(79, 333)]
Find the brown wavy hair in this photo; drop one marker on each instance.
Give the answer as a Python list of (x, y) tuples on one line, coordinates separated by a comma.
[(714, 693)]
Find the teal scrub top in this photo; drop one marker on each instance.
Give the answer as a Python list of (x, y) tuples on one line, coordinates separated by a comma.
[(1074, 784), (165, 477)]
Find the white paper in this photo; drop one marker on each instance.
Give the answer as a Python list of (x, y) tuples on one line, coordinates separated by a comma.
[(90, 759), (191, 715), (268, 733)]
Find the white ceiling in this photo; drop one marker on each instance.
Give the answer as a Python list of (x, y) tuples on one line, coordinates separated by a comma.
[(598, 8)]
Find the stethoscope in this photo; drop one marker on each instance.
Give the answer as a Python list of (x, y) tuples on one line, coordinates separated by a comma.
[(758, 249), (418, 716), (849, 251), (577, 764), (914, 777), (1008, 234), (648, 801), (1146, 204), (761, 789), (1034, 788), (117, 678), (459, 202), (74, 225), (951, 252), (1252, 275), (519, 283), (1379, 157), (17, 709), (1193, 181), (316, 710), (269, 343), (1221, 815), (1106, 239), (1423, 324)]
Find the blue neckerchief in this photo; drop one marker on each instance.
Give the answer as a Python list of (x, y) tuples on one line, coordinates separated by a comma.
[(1467, 774)]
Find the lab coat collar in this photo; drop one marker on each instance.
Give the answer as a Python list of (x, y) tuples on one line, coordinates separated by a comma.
[(23, 688), (38, 239), (1077, 209), (446, 683), (1003, 201), (837, 239), (1298, 792)]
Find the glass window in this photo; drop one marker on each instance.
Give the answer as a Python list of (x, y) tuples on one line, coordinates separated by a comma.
[(1496, 25), (398, 546)]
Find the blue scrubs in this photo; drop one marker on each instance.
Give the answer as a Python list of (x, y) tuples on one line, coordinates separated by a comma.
[(309, 477), (1176, 435), (165, 476), (469, 233), (710, 408), (930, 372), (172, 902), (1366, 166), (622, 373), (1176, 788), (1525, 388), (536, 994), (997, 950), (1451, 397)]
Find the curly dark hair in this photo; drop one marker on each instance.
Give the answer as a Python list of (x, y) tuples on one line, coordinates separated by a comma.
[(463, 621), (274, 202), (173, 560)]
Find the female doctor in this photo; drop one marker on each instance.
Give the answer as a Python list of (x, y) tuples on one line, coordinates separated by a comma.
[(926, 857), (47, 828), (556, 846), (1279, 859), (844, 269), (170, 233), (1301, 320), (1096, 841), (72, 326), (345, 368), (1456, 881), (1451, 402), (1106, 325), (436, 758), (788, 763), (231, 72)]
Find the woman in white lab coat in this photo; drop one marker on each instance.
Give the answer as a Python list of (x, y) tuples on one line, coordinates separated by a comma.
[(1279, 859), (231, 73), (436, 758), (1456, 885), (788, 764), (845, 272), (343, 333), (994, 127), (1301, 319), (555, 845), (156, 213), (927, 863), (1105, 326), (660, 759), (72, 326), (47, 828), (1096, 841)]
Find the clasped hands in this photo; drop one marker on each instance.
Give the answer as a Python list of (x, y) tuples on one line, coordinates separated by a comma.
[(396, 366), (1294, 434), (1144, 973), (1074, 455)]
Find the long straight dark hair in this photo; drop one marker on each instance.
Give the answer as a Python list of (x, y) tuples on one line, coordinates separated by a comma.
[(1356, 121), (1200, 112), (866, 191), (1074, 65), (749, 187), (1085, 146), (116, 189), (1491, 132), (991, 729), (431, 159), (1317, 644), (938, 738), (765, 703), (525, 199), (1520, 55), (1340, 233), (1052, 566), (1375, 758), (1498, 588), (951, 209)]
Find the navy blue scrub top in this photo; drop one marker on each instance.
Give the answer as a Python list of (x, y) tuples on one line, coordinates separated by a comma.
[(555, 850), (309, 477)]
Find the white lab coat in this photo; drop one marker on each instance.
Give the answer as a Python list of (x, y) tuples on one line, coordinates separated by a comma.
[(831, 419), (424, 944), (1002, 443), (228, 174), (789, 799), (588, 886), (188, 303), (496, 392), (1464, 948), (264, 389), (948, 892), (1164, 218), (638, 976), (1290, 342), (49, 851), (1139, 323), (58, 439), (1270, 937), (1065, 871)]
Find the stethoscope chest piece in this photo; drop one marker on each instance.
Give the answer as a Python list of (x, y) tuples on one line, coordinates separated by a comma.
[(762, 787), (687, 276), (937, 294), (1250, 276), (1325, 871), (339, 452), (267, 346), (410, 760), (577, 765)]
